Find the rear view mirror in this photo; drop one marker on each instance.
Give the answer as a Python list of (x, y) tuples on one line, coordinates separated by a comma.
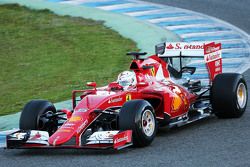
[(160, 49), (115, 86), (91, 84)]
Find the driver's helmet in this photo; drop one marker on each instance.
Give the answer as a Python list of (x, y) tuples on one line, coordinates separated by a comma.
[(126, 79)]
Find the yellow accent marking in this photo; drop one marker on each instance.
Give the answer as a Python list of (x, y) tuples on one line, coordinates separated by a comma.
[(128, 97), (176, 103), (75, 119), (64, 130), (153, 71)]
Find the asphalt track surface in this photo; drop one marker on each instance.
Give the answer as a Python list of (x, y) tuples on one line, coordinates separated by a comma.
[(234, 12), (210, 142)]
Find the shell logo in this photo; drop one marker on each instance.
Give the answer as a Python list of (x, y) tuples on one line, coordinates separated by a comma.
[(176, 103), (65, 130), (75, 119)]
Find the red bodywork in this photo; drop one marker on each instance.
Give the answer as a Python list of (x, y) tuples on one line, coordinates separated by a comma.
[(153, 85)]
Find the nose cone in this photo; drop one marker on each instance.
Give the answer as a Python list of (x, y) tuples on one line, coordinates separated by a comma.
[(66, 131), (73, 126), (61, 136)]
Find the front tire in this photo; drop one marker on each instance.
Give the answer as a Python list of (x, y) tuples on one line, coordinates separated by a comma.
[(229, 95), (35, 116), (139, 116)]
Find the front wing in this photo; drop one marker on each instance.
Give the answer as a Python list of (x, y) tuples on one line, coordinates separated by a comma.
[(33, 139)]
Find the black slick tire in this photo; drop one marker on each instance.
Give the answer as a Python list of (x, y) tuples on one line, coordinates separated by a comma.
[(225, 95), (130, 118), (30, 115)]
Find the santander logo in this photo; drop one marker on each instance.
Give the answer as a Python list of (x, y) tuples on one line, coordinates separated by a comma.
[(118, 140), (211, 49), (170, 46), (184, 45)]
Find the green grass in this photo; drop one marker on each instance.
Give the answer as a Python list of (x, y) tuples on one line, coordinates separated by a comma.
[(45, 56)]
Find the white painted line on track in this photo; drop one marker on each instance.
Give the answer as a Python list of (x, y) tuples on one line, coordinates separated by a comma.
[(155, 11), (120, 6), (177, 18), (201, 34), (78, 2), (189, 26), (236, 50), (231, 41)]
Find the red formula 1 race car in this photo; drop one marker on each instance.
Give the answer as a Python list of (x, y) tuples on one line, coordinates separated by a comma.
[(129, 111)]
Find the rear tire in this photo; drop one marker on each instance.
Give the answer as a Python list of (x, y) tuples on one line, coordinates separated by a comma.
[(229, 95), (32, 116), (139, 116)]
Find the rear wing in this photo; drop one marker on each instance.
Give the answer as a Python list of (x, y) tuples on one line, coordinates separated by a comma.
[(210, 51)]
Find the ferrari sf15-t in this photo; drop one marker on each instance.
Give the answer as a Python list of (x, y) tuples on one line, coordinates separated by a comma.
[(152, 94)]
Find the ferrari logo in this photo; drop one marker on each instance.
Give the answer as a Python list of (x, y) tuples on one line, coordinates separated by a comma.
[(153, 71), (128, 97)]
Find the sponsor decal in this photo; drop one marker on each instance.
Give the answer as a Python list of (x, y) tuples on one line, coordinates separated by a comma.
[(82, 110), (66, 127), (18, 135), (212, 57), (153, 71), (178, 99), (118, 140), (217, 63), (183, 48), (212, 47), (36, 136), (69, 124), (128, 97), (82, 126), (212, 52), (197, 46), (176, 103), (115, 100), (122, 138), (64, 130), (75, 119), (183, 45), (170, 46)]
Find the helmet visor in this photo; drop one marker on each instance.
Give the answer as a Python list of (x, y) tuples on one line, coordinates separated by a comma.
[(124, 83)]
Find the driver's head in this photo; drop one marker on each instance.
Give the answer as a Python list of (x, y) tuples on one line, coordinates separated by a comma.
[(126, 79)]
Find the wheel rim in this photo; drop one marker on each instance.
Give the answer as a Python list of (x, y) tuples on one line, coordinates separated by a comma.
[(241, 95), (148, 123)]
